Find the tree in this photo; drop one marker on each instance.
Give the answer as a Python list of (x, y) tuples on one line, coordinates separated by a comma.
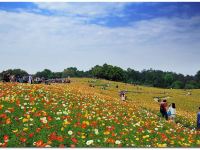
[(16, 72), (191, 85), (168, 79), (197, 76), (46, 73), (177, 85), (56, 75), (71, 71)]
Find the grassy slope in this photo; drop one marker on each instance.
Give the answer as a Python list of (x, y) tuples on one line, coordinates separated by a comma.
[(187, 105), (91, 108)]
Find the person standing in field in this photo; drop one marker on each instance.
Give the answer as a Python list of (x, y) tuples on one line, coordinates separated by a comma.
[(171, 112), (30, 79), (163, 109), (123, 97), (198, 120)]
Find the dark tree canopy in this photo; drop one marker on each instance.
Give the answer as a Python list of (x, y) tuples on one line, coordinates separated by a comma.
[(155, 78)]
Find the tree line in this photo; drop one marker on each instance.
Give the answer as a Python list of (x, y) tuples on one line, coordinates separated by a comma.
[(154, 78)]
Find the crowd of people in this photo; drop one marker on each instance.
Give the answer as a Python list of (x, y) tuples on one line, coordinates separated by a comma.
[(32, 79)]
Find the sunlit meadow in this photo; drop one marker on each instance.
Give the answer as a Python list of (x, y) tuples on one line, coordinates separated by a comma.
[(89, 113)]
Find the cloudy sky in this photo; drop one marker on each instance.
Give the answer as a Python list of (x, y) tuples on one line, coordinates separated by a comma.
[(164, 36)]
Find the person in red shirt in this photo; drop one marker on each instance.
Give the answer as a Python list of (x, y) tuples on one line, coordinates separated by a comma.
[(163, 109)]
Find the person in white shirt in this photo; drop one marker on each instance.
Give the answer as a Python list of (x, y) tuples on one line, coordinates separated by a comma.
[(30, 79), (172, 111)]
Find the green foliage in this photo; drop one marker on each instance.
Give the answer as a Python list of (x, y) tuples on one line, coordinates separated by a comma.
[(155, 78), (16, 72), (73, 72), (191, 85), (177, 85), (108, 72), (46, 73)]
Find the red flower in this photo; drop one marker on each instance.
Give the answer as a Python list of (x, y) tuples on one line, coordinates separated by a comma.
[(49, 118), (38, 130), (74, 140), (23, 139), (53, 136), (31, 135), (61, 146), (72, 146), (83, 125), (60, 138), (3, 116), (6, 137)]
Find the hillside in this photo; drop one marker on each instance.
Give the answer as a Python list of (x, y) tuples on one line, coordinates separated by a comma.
[(89, 113)]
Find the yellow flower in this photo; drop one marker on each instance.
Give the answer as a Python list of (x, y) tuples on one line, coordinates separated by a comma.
[(25, 120), (172, 142), (34, 109), (137, 139), (162, 145), (14, 131), (146, 136), (25, 129), (86, 122), (66, 122), (62, 129), (83, 136), (28, 116), (198, 142), (106, 132)]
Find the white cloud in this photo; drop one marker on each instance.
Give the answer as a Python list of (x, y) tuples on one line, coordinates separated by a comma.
[(34, 42), (91, 10)]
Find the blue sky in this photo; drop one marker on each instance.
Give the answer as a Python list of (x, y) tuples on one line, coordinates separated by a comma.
[(155, 35)]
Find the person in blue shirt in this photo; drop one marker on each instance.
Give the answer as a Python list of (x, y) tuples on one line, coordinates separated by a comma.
[(198, 120)]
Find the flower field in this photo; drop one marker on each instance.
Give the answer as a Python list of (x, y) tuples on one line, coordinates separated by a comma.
[(76, 115)]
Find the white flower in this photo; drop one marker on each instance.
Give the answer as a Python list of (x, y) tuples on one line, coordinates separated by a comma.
[(156, 129), (57, 118), (7, 111), (96, 131), (89, 142), (117, 142), (22, 107), (44, 120), (70, 132), (65, 112), (59, 113)]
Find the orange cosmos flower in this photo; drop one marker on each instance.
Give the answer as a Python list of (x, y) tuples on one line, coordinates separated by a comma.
[(60, 138), (23, 139), (38, 130), (39, 143), (8, 121)]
